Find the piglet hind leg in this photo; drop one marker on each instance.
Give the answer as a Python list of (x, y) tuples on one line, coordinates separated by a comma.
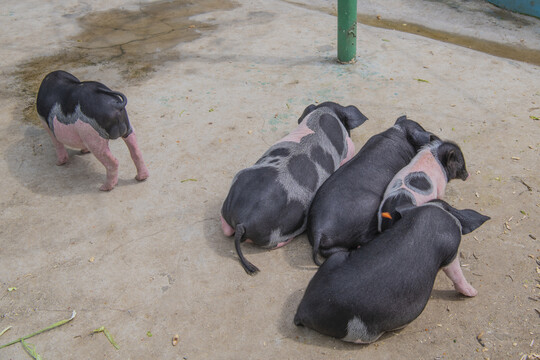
[(283, 243), (100, 148), (61, 152), (136, 156), (227, 229), (111, 165), (454, 272)]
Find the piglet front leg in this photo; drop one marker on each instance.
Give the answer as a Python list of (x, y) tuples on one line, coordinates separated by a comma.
[(454, 272), (136, 156)]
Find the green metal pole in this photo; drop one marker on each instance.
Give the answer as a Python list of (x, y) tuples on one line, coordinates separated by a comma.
[(347, 31)]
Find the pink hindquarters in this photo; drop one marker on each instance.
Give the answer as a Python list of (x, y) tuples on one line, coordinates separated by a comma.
[(298, 133), (83, 136), (350, 151), (69, 134), (136, 156), (454, 272), (227, 229)]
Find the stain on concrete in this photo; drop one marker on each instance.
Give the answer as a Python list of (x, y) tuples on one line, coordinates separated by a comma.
[(135, 42), (513, 52)]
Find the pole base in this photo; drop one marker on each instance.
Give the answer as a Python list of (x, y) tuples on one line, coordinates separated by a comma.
[(352, 61)]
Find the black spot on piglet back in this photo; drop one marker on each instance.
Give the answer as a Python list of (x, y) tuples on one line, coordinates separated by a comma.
[(418, 182), (303, 171), (332, 128), (323, 158), (280, 152)]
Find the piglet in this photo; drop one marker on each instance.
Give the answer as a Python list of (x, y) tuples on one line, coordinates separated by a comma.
[(343, 214), (85, 115), (268, 202), (384, 285), (424, 179)]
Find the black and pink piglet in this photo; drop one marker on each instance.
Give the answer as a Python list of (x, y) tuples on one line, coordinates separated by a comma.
[(86, 115), (268, 202)]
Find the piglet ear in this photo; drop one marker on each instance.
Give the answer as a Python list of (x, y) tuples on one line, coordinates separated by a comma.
[(352, 116), (470, 220), (451, 155), (401, 119), (309, 109), (451, 164), (419, 138), (416, 134)]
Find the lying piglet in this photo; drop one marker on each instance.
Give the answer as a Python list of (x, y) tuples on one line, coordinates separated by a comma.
[(268, 202), (85, 115), (343, 214), (424, 179), (384, 285)]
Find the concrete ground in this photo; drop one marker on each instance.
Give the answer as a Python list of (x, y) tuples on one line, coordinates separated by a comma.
[(210, 86)]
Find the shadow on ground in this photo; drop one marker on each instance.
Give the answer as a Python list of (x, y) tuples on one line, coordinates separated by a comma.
[(32, 162)]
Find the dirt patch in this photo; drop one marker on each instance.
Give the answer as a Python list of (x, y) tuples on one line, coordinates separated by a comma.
[(135, 42)]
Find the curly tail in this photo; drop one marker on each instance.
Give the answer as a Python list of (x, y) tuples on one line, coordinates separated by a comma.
[(119, 105), (238, 239)]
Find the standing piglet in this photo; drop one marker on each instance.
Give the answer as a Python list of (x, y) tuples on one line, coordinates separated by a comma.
[(268, 202), (384, 285), (85, 115), (424, 179), (343, 214)]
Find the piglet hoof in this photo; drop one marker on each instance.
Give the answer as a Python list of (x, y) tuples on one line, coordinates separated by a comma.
[(85, 151), (466, 289), (106, 187), (61, 159), (60, 162), (61, 154), (142, 177)]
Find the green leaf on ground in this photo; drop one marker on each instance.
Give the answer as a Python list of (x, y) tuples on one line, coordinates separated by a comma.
[(57, 324), (4, 331), (108, 335), (31, 350)]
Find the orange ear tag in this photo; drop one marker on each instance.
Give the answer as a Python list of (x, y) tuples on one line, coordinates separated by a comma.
[(386, 215)]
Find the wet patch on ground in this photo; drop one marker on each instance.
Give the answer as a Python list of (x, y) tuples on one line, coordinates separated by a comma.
[(135, 42)]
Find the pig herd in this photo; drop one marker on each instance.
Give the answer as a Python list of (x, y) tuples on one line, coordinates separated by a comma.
[(377, 216)]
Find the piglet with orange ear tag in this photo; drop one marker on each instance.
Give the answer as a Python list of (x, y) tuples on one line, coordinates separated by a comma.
[(424, 179)]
